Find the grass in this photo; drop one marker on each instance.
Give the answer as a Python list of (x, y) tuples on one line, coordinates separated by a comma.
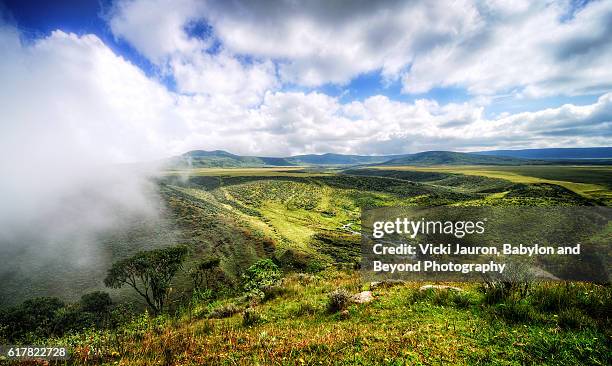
[(242, 215), (402, 326), (590, 182)]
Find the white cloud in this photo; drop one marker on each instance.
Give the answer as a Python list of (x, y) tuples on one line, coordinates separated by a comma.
[(156, 28), (101, 109), (531, 52), (223, 75), (529, 48)]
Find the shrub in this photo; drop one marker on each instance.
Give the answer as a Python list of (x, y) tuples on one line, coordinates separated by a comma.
[(338, 300), (208, 274), (262, 274), (305, 308), (224, 311), (201, 295), (72, 318), (499, 291), (272, 292), (443, 297), (251, 317)]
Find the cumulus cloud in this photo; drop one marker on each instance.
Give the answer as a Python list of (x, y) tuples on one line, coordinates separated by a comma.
[(101, 109), (532, 49)]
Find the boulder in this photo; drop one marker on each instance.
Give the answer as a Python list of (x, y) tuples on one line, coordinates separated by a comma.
[(362, 297)]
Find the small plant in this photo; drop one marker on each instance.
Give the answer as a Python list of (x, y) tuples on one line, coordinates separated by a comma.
[(575, 319), (338, 300), (272, 292), (251, 317), (518, 312), (443, 297), (224, 311), (304, 309), (499, 291)]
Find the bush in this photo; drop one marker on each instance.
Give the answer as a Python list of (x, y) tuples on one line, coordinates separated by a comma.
[(272, 292), (305, 308), (208, 274), (338, 300), (262, 274), (72, 318), (224, 311), (499, 291), (251, 317)]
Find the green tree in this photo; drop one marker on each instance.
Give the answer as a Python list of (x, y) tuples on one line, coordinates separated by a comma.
[(149, 273), (35, 316), (96, 302)]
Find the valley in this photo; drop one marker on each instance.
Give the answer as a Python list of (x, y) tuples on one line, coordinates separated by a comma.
[(306, 219)]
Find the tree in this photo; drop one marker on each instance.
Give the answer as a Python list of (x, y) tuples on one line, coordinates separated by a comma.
[(35, 316), (149, 273), (96, 302)]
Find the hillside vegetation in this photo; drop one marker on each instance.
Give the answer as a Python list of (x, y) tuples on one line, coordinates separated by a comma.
[(295, 307)]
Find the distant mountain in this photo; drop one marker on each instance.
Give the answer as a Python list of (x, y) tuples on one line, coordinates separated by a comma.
[(340, 159), (455, 158), (554, 153), (223, 159)]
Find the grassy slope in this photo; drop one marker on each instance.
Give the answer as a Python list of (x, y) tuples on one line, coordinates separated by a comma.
[(591, 182), (402, 326), (456, 158), (234, 212)]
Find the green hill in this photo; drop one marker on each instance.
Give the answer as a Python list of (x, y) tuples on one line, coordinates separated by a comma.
[(554, 153), (223, 159), (340, 159), (456, 158)]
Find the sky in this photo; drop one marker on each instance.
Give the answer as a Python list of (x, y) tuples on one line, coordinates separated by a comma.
[(133, 80)]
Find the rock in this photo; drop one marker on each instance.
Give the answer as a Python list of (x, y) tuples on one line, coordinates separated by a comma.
[(386, 283), (439, 287), (363, 297)]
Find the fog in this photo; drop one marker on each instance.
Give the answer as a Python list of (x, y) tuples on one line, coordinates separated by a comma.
[(72, 187)]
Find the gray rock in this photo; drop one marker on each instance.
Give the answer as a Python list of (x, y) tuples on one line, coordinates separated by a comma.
[(439, 287), (363, 297)]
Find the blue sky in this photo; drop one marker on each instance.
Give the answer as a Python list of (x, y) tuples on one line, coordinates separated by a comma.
[(348, 77)]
